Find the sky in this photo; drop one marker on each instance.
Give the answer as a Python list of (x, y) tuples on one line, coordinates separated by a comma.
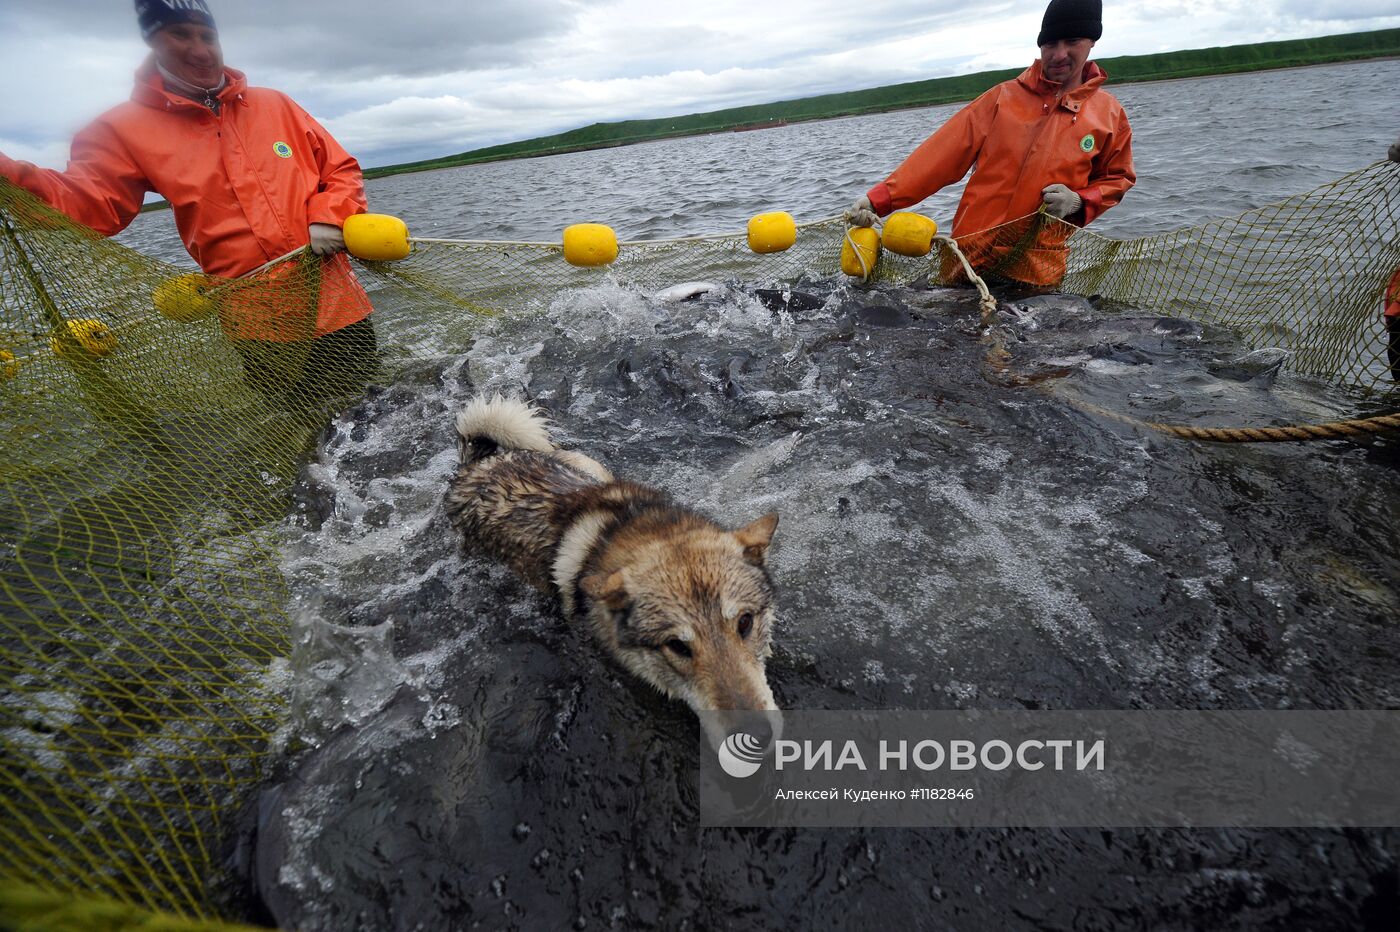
[(408, 79)]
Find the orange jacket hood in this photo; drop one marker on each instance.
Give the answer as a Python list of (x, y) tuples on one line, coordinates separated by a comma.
[(1034, 80), (150, 88)]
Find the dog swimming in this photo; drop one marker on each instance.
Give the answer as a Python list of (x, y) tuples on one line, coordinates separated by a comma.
[(678, 600)]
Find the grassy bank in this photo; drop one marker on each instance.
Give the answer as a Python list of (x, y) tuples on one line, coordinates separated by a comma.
[(1124, 69)]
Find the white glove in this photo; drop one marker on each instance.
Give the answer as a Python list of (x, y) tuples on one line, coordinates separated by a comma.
[(1394, 152), (860, 213), (326, 239), (1061, 201)]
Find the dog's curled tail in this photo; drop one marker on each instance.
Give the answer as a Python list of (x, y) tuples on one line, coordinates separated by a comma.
[(486, 425)]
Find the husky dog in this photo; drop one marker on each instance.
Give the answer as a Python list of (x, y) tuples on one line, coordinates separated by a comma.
[(681, 602)]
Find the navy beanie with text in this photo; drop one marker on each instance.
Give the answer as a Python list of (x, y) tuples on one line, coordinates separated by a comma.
[(1071, 19), (155, 15)]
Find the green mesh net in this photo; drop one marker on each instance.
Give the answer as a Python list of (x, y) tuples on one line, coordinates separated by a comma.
[(1305, 275), (152, 431)]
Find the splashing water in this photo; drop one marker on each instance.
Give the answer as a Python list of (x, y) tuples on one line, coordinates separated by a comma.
[(947, 541)]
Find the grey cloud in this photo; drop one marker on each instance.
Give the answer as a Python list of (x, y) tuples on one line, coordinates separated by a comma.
[(346, 42), (402, 39), (1340, 10), (407, 38), (825, 27)]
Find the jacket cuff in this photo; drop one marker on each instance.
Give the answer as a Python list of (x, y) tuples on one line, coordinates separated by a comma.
[(1092, 200), (334, 209), (880, 199)]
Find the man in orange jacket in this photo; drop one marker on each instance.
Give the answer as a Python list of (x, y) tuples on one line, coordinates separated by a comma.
[(250, 177), (1051, 138)]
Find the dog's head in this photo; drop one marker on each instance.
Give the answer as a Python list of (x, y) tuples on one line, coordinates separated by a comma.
[(688, 607)]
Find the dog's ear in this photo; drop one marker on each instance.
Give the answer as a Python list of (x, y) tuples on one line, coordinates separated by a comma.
[(756, 537), (611, 590)]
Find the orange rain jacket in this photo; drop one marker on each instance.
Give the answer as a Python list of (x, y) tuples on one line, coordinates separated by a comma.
[(244, 183), (1020, 139)]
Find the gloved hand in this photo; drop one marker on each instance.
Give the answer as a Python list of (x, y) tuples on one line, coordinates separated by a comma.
[(1060, 201), (860, 213), (1394, 152), (326, 239)]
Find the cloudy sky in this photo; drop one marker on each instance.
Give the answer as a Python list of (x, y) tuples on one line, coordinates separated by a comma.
[(405, 79)]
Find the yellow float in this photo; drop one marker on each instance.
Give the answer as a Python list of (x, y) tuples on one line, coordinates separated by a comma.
[(376, 237), (9, 366), (183, 299), (860, 251), (772, 232), (86, 339), (589, 244), (908, 234)]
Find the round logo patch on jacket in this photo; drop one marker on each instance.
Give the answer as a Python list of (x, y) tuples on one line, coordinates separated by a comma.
[(284, 151), (1087, 143)]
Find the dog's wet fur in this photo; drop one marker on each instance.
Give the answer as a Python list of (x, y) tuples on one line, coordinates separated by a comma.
[(679, 601)]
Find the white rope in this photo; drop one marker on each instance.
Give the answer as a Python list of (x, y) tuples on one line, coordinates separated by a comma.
[(702, 238), (865, 268), (257, 271), (271, 262), (535, 244), (986, 302)]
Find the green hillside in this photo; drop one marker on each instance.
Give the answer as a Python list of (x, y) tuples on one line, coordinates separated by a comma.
[(1124, 69)]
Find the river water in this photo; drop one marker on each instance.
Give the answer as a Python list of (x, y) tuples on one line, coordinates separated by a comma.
[(946, 542), (1203, 147)]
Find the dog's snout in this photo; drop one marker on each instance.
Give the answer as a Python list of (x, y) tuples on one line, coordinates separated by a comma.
[(760, 729), (763, 727)]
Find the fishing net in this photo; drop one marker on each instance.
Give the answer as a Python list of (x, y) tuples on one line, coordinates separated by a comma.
[(1304, 275), (154, 422)]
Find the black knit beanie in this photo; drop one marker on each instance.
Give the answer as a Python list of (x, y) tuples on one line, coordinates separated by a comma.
[(155, 15), (1071, 19)]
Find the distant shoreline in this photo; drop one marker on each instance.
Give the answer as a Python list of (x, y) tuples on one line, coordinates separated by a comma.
[(1124, 70)]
